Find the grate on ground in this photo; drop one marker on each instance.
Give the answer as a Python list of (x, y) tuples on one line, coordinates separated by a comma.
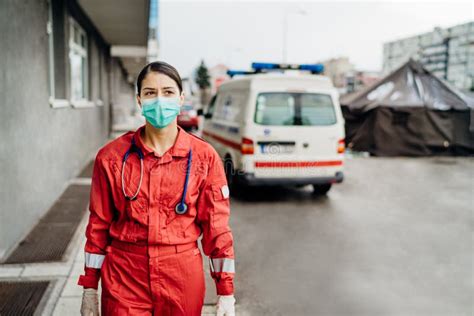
[(21, 298), (50, 238)]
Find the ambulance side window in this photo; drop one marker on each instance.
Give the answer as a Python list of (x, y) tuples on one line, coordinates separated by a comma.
[(228, 106), (223, 103), (211, 107)]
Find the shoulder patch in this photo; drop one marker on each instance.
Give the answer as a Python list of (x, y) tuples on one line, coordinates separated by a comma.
[(225, 191)]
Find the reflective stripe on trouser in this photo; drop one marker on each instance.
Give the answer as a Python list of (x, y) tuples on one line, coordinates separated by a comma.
[(222, 265), (135, 284), (93, 260)]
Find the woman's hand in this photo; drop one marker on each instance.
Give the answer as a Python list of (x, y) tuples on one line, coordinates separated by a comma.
[(225, 305), (90, 303)]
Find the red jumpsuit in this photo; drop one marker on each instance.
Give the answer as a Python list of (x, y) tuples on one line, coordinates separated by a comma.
[(144, 252)]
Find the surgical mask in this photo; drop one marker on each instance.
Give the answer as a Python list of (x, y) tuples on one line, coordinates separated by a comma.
[(160, 112)]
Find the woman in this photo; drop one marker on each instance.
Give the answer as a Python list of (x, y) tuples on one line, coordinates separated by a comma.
[(154, 191)]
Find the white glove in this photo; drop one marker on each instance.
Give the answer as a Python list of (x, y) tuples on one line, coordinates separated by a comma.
[(225, 305), (90, 303)]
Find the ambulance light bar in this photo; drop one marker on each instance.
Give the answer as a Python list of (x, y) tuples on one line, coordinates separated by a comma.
[(313, 68), (265, 67)]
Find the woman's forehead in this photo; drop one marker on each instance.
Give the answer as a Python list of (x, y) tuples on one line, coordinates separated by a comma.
[(158, 80)]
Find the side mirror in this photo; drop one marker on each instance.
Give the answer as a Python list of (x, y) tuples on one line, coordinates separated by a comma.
[(200, 112)]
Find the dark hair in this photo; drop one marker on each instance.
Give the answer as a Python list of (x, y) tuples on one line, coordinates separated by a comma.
[(163, 68)]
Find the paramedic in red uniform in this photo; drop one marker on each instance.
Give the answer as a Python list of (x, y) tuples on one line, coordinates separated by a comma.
[(154, 192)]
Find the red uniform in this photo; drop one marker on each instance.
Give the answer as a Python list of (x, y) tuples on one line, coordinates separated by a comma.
[(146, 253)]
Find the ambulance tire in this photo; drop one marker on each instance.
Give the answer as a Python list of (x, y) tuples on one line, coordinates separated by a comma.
[(321, 189)]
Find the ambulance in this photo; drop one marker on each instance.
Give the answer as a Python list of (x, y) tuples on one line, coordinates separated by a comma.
[(278, 125)]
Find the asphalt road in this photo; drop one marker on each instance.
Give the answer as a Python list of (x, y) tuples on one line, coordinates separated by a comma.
[(396, 238)]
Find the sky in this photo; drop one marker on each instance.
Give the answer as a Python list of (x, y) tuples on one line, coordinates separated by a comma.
[(236, 33)]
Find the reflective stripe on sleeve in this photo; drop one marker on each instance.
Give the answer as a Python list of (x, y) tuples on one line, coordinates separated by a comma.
[(223, 265), (94, 260)]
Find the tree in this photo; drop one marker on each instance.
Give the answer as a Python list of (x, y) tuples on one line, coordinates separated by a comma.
[(202, 80)]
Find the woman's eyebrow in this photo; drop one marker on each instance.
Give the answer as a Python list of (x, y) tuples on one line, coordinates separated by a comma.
[(164, 88), (148, 88)]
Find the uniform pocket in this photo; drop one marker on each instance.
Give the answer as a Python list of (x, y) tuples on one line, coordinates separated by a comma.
[(137, 210), (173, 185), (131, 175), (170, 214), (109, 276)]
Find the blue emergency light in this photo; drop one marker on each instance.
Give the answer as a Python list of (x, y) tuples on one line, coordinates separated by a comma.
[(262, 66), (265, 67), (313, 68), (232, 73)]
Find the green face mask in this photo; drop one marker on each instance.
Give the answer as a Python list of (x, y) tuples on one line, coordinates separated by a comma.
[(160, 112)]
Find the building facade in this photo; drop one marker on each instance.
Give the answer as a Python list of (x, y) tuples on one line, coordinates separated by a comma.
[(153, 40), (65, 65), (358, 80), (337, 69), (448, 53)]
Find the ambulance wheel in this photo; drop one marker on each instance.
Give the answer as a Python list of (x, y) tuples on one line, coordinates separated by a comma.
[(321, 189)]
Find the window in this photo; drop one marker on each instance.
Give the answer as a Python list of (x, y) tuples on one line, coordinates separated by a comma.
[(99, 101), (228, 106), (317, 109), (223, 107), (275, 109), (57, 47), (285, 108), (49, 28), (78, 62)]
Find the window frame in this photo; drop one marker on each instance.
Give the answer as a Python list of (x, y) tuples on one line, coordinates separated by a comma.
[(49, 30), (53, 101), (83, 51)]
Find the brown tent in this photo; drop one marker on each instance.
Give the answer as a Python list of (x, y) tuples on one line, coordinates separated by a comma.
[(410, 112)]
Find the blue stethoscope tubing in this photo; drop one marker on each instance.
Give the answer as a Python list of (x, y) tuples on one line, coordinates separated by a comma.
[(181, 207)]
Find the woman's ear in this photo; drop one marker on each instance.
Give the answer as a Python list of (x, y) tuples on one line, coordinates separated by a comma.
[(139, 101), (181, 98)]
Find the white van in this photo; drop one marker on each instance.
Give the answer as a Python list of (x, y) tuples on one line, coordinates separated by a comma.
[(278, 129)]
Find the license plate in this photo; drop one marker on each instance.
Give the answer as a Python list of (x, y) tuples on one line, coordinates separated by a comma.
[(277, 149)]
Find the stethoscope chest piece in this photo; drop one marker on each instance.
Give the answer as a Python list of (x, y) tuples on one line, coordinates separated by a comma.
[(181, 208)]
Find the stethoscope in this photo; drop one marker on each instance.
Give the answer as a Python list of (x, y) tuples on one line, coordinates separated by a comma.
[(181, 207)]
